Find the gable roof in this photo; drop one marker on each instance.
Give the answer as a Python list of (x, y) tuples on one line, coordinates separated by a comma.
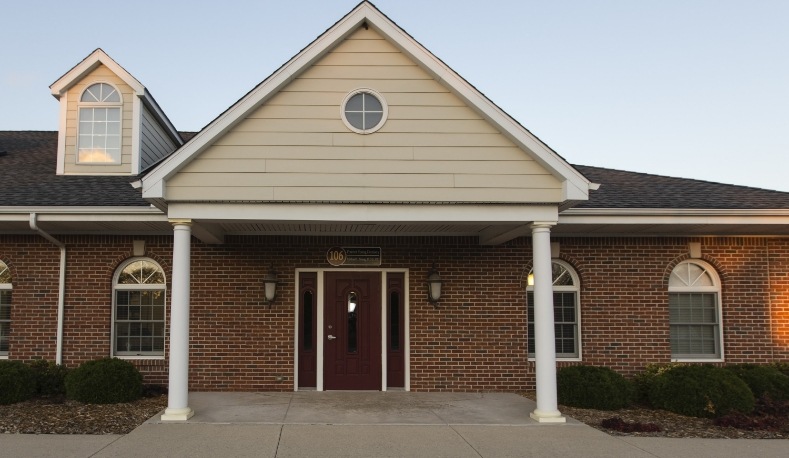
[(99, 57), (620, 189), (576, 186), (27, 179)]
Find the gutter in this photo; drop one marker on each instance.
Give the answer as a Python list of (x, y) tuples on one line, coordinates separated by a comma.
[(61, 285)]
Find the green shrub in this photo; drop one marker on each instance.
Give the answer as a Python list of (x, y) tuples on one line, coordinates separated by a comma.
[(593, 388), (104, 381), (763, 380), (643, 381), (783, 367), (700, 391), (49, 378), (16, 382)]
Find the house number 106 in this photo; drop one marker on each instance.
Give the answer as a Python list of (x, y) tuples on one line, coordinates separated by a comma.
[(336, 256)]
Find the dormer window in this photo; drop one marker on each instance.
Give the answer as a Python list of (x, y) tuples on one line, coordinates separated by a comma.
[(99, 136)]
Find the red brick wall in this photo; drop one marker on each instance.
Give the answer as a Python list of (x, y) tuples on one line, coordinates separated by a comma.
[(474, 340)]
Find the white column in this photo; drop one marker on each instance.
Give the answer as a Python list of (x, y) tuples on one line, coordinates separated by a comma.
[(178, 397), (544, 343)]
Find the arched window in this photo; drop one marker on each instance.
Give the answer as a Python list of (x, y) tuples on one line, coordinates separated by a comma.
[(138, 309), (5, 308), (566, 310), (99, 136), (694, 311)]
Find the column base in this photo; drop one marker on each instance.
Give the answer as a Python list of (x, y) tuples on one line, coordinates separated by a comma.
[(177, 414), (547, 417)]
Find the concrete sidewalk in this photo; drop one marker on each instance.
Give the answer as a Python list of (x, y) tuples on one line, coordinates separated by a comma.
[(365, 424)]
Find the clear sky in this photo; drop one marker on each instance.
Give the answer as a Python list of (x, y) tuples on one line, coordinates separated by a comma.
[(687, 88)]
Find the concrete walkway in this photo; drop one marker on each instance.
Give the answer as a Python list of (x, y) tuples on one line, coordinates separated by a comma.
[(371, 424)]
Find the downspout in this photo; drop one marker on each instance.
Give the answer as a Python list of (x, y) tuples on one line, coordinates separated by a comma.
[(61, 285)]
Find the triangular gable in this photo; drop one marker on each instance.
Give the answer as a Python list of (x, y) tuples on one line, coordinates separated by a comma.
[(87, 65), (94, 60), (575, 186)]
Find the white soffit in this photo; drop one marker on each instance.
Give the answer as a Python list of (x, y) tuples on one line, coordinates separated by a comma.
[(576, 186)]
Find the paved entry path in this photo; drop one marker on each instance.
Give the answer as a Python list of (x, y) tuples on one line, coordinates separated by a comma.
[(372, 424)]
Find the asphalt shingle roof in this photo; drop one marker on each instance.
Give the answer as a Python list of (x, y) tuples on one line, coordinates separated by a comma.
[(621, 189), (27, 178)]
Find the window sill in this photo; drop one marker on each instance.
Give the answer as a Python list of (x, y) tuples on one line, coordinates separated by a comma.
[(3, 356), (139, 357), (697, 360), (559, 360)]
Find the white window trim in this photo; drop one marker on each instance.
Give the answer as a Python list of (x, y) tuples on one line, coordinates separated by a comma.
[(113, 353), (5, 287), (718, 304), (577, 290), (377, 95), (81, 105)]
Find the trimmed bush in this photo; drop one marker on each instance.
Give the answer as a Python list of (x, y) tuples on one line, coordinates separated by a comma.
[(783, 367), (763, 380), (700, 391), (49, 378), (643, 381), (104, 381), (593, 388), (16, 382)]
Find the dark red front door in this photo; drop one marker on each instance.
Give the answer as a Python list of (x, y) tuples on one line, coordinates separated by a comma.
[(352, 331)]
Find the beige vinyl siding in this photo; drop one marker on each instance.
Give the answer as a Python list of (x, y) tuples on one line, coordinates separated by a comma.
[(432, 147), (100, 74), (154, 141)]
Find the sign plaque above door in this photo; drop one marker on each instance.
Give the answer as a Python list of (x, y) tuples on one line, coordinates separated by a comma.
[(354, 256)]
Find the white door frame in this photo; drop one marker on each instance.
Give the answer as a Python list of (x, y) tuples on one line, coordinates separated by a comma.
[(320, 334)]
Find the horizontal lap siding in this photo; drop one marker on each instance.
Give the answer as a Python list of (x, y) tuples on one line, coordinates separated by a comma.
[(432, 146), (154, 141), (101, 74)]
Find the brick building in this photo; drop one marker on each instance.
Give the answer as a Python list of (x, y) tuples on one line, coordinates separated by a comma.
[(365, 219)]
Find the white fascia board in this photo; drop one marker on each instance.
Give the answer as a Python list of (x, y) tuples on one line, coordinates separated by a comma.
[(369, 213), (576, 186), (86, 213), (87, 65), (674, 216), (61, 160)]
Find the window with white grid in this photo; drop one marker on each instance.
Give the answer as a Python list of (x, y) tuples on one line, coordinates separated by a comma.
[(5, 308), (566, 311), (694, 311), (99, 129), (139, 309)]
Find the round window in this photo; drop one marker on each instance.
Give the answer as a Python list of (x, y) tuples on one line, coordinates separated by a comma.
[(364, 111)]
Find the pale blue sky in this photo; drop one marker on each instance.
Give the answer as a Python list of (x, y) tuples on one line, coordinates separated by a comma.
[(688, 88)]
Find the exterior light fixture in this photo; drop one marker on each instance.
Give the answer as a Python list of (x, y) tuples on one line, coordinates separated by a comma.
[(270, 286), (434, 283)]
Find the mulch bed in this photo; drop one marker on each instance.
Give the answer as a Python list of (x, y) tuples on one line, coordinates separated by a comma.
[(669, 423), (60, 416)]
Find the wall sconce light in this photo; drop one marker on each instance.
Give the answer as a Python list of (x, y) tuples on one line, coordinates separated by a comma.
[(434, 283), (270, 286)]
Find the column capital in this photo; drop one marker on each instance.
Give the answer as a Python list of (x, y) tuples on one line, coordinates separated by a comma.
[(546, 225), (180, 221)]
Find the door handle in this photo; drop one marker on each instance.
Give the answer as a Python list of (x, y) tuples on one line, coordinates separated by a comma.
[(330, 337)]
